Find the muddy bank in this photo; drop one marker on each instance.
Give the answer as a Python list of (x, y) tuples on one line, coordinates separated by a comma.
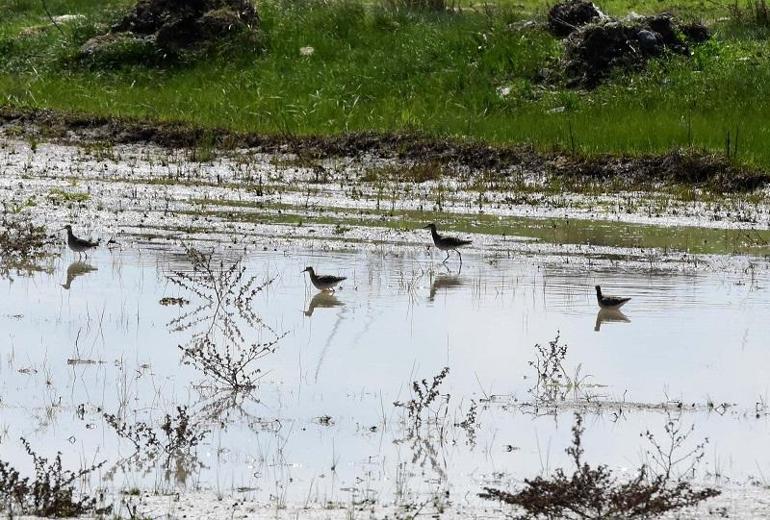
[(152, 191), (687, 167)]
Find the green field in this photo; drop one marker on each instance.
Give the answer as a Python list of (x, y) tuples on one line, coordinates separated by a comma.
[(376, 68)]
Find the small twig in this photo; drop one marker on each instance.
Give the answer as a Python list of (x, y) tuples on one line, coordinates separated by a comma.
[(50, 17)]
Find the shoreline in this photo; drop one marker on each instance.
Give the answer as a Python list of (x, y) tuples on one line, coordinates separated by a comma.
[(678, 167)]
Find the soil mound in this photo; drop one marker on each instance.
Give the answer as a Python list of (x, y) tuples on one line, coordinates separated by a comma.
[(566, 17), (175, 26), (593, 51), (596, 43)]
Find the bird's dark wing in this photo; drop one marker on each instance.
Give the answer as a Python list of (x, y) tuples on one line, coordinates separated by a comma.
[(456, 242), (86, 243), (331, 279), (614, 300)]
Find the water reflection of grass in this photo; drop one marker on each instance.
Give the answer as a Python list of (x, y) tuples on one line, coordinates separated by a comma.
[(595, 491), (221, 326)]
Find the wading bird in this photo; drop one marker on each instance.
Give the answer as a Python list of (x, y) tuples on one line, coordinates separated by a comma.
[(323, 283), (78, 245), (445, 243), (609, 302)]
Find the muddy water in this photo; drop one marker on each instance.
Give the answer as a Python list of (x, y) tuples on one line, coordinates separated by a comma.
[(91, 338)]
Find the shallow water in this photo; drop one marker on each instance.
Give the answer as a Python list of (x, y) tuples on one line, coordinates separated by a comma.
[(321, 425)]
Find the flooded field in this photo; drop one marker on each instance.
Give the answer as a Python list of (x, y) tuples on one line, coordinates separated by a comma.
[(93, 337), (193, 356)]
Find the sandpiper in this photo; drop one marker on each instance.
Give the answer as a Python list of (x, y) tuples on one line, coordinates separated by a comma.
[(447, 244), (323, 283), (78, 245), (609, 302)]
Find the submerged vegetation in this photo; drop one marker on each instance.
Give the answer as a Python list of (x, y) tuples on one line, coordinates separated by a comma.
[(594, 492), (23, 245), (51, 493), (171, 446), (220, 326)]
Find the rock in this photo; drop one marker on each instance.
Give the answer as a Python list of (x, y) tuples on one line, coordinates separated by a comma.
[(649, 41), (565, 17)]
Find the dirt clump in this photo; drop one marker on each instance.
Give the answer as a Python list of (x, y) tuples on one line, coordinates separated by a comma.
[(595, 50), (172, 27), (596, 44), (566, 17), (695, 32)]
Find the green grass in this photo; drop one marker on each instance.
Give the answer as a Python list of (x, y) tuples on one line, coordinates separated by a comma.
[(693, 240), (384, 71), (59, 196)]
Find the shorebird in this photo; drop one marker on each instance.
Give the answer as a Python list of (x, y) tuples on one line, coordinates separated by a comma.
[(448, 244), (323, 283), (609, 302), (78, 245)]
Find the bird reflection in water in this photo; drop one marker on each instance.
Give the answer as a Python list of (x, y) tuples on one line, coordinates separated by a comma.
[(75, 269), (322, 300), (445, 282), (610, 316)]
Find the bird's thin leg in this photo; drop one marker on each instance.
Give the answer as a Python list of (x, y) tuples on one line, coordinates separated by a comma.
[(447, 257), (461, 256)]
